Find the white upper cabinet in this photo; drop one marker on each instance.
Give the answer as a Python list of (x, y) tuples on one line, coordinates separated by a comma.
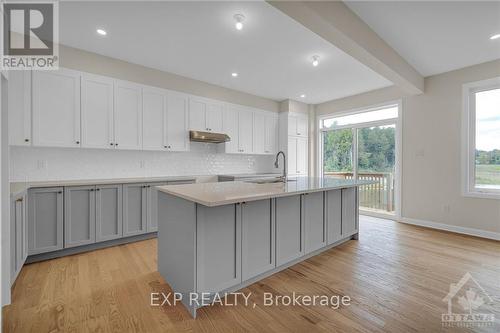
[(245, 131), (56, 108), (128, 115), (97, 111), (298, 124), (214, 117), (259, 133), (154, 120), (205, 115), (19, 99), (302, 156), (197, 115), (292, 156), (177, 136), (230, 127), (271, 134)]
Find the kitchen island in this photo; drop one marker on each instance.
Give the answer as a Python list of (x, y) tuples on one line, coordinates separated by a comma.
[(220, 237)]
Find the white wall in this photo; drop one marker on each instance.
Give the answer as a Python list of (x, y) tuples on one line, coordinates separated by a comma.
[(4, 196), (35, 164), (431, 189)]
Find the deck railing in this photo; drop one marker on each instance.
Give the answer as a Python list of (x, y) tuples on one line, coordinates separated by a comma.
[(378, 196)]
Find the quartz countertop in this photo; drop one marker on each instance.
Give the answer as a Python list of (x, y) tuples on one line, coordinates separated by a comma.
[(223, 193), (18, 187)]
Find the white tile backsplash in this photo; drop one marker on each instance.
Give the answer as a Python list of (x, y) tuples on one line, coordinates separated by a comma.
[(39, 164)]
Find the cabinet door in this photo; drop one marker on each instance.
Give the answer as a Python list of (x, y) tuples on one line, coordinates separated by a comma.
[(56, 108), (245, 131), (97, 111), (154, 119), (45, 220), (349, 211), (271, 134), (135, 209), (292, 124), (152, 224), (292, 156), (214, 117), (333, 211), (128, 115), (259, 133), (289, 229), (230, 127), (197, 114), (79, 216), (218, 262), (302, 125), (302, 156), (109, 212), (177, 122), (314, 221), (19, 99), (21, 232), (18, 236), (257, 241)]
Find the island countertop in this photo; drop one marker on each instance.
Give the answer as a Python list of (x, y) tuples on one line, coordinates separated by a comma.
[(224, 193)]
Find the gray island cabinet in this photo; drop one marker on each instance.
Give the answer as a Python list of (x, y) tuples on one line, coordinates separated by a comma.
[(220, 237)]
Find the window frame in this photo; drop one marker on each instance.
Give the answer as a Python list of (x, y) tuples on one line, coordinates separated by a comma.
[(469, 188), (398, 121)]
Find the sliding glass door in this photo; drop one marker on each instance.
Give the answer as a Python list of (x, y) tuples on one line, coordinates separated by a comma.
[(363, 146)]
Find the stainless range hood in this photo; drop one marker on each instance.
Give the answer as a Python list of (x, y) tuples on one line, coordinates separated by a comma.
[(208, 137)]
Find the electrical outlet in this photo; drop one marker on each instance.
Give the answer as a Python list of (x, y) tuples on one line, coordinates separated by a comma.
[(42, 164), (142, 164), (447, 209)]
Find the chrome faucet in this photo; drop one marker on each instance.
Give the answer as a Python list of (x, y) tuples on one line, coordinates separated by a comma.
[(276, 164)]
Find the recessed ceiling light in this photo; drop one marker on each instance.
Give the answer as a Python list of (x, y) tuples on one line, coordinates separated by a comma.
[(234, 74), (302, 96), (315, 60), (239, 18), (102, 32), (495, 36)]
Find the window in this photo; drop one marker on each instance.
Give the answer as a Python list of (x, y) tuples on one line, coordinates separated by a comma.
[(363, 145), (481, 139)]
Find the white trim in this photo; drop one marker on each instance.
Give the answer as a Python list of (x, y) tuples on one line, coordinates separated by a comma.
[(453, 228), (399, 145), (379, 215), (468, 138)]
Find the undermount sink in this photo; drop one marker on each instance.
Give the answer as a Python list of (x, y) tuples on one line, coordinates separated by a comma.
[(269, 181)]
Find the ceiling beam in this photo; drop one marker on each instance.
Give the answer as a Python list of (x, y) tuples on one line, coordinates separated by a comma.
[(337, 24)]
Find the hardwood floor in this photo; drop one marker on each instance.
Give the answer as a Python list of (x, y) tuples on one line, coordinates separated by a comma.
[(395, 274)]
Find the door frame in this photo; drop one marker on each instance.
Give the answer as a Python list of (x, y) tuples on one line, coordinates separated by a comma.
[(398, 147)]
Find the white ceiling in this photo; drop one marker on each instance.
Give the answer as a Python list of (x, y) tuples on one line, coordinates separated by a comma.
[(272, 54), (435, 37)]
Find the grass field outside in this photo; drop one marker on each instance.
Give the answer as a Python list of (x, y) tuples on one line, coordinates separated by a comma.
[(488, 174)]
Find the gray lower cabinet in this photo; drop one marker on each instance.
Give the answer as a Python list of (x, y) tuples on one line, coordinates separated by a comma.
[(152, 197), (333, 215), (314, 221), (19, 239), (135, 209), (289, 229), (258, 238), (152, 223), (109, 212), (218, 262), (79, 215), (349, 211), (45, 220)]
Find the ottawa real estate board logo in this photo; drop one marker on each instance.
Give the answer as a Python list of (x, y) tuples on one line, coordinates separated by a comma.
[(468, 305), (30, 36)]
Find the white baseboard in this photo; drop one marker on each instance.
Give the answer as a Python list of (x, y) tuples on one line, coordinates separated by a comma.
[(453, 228)]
